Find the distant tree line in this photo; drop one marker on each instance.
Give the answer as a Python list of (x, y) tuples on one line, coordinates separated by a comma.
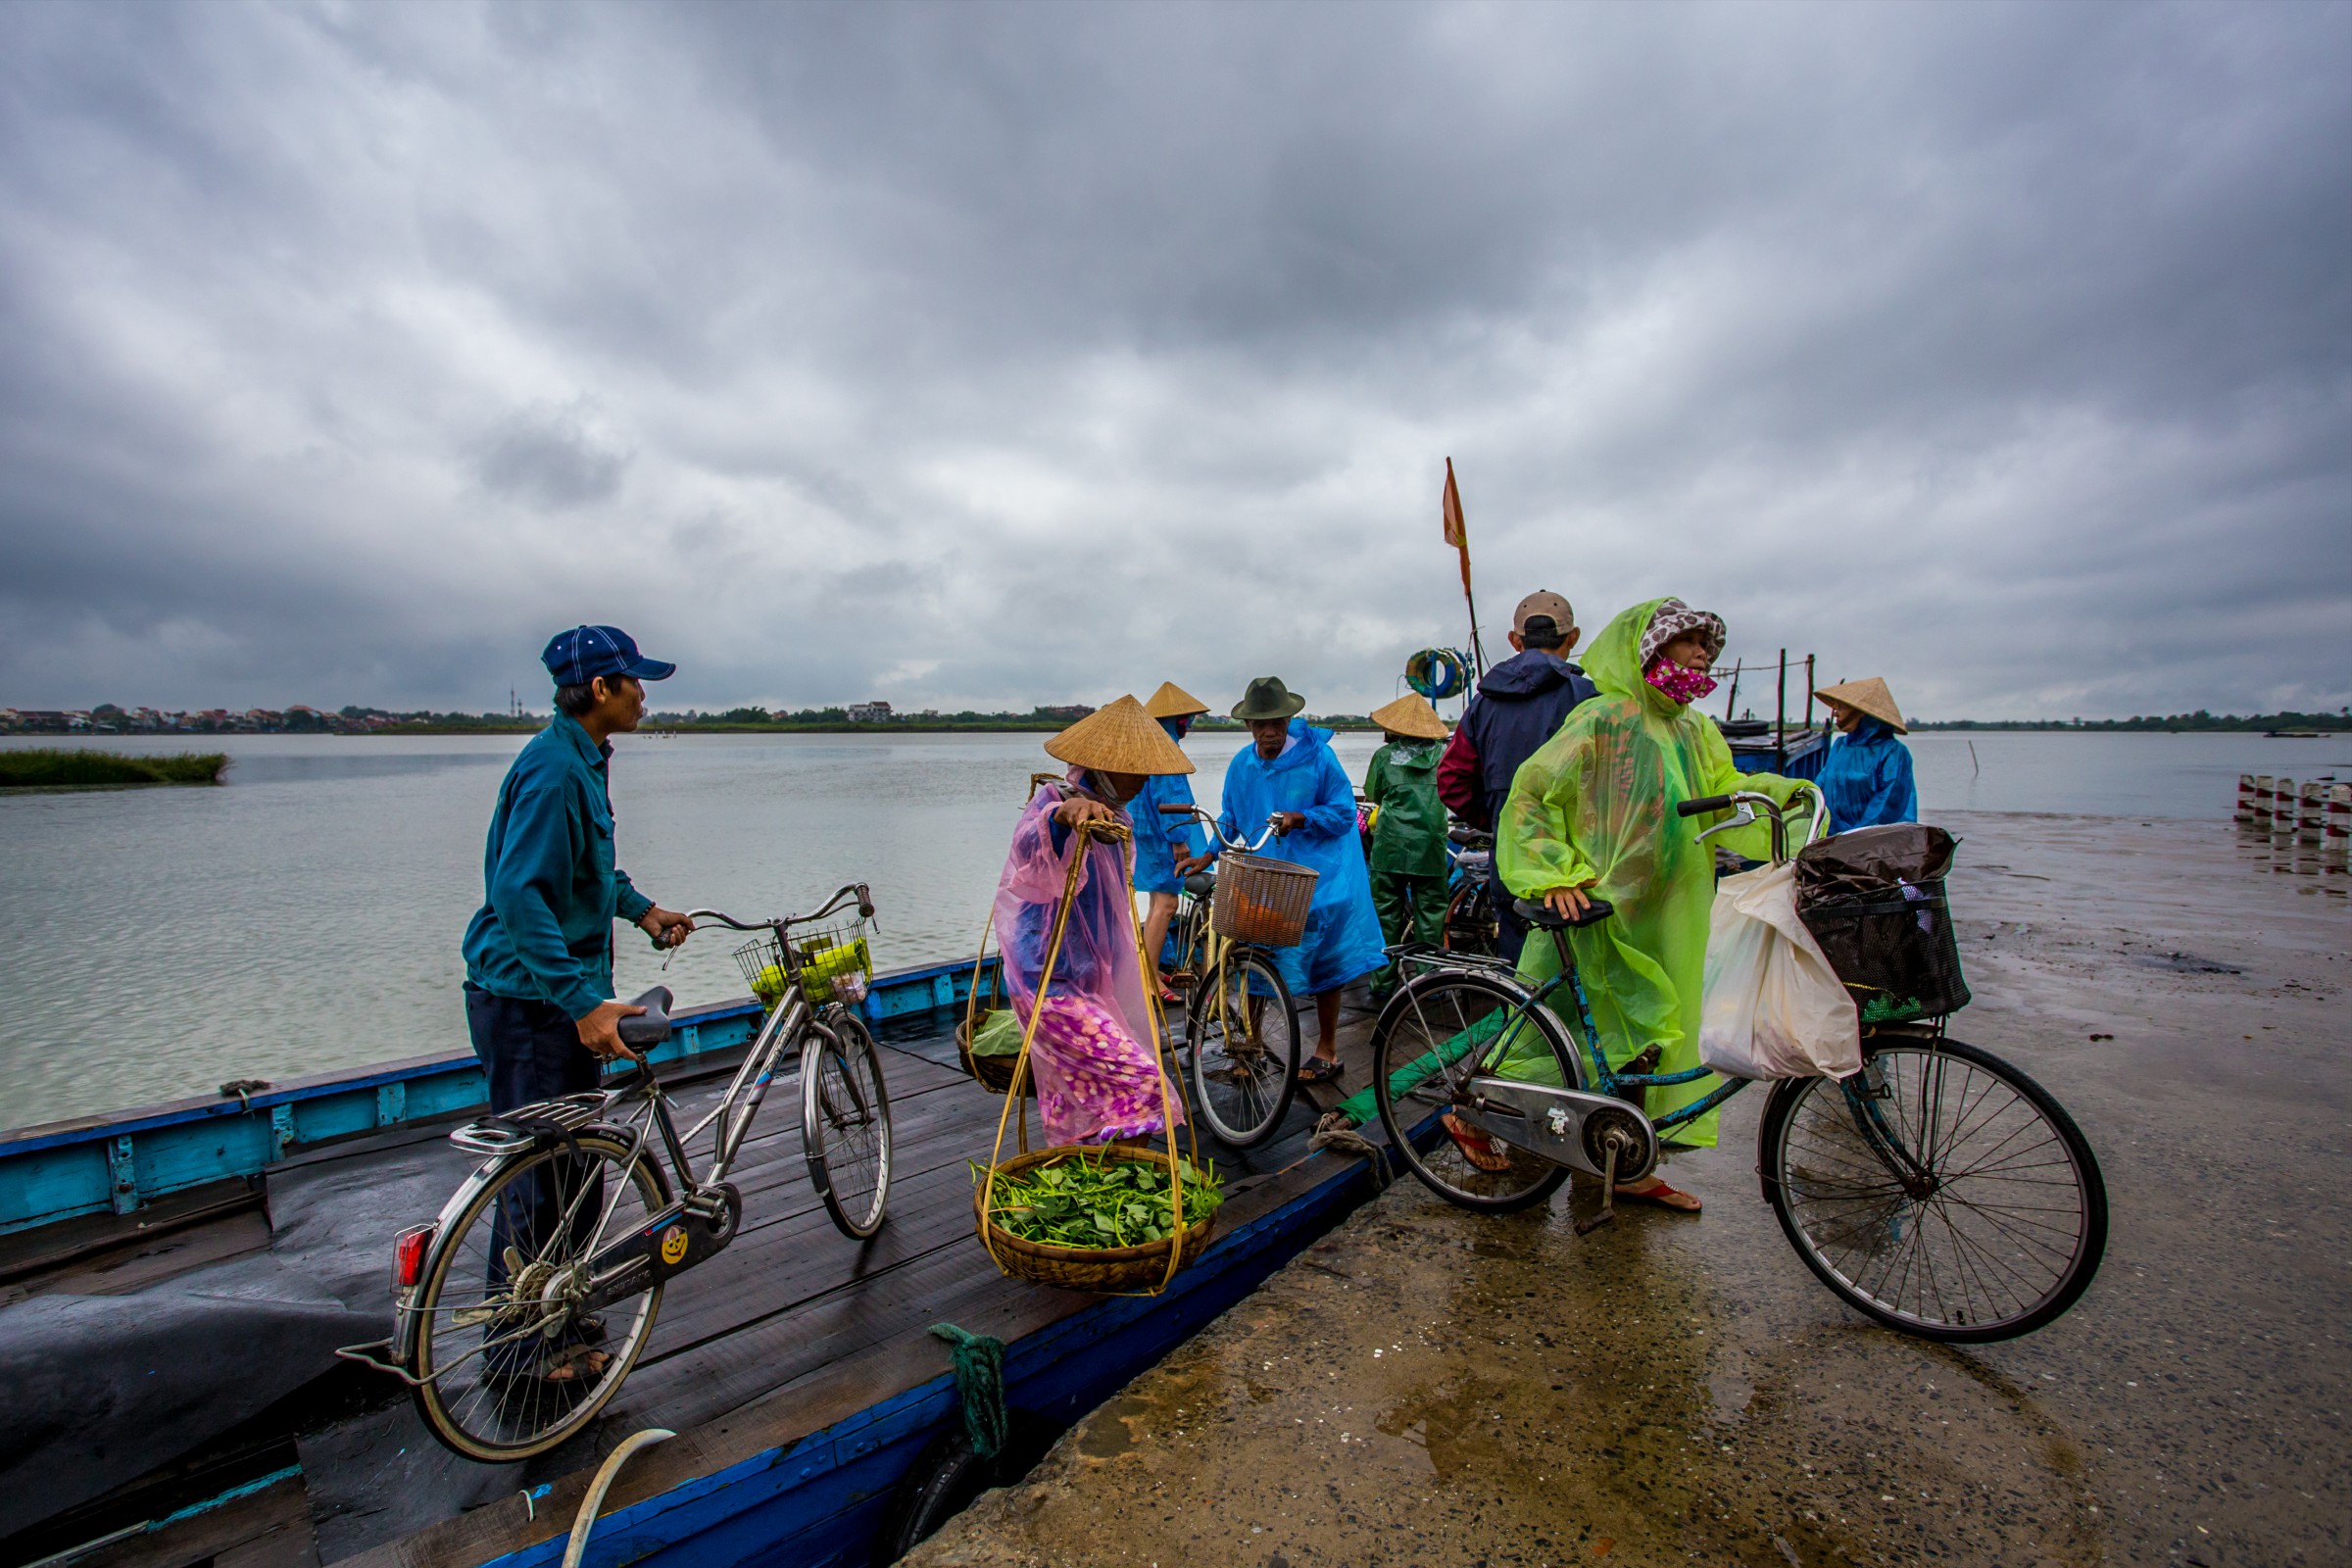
[(2341, 720)]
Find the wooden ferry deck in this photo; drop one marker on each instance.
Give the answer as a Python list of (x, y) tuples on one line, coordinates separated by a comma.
[(795, 1353)]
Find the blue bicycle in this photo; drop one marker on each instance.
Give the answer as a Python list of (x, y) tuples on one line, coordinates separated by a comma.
[(1938, 1190)]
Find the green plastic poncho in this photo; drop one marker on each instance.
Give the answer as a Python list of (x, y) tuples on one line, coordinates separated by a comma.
[(1410, 835), (1596, 802)]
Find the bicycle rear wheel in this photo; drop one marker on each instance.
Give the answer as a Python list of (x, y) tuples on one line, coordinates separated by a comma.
[(2003, 1223), (495, 1303), (1241, 1029), (1433, 1038), (845, 1124)]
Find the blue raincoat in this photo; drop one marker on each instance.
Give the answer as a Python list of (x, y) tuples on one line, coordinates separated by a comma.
[(1343, 938), (1867, 779), (1159, 839)]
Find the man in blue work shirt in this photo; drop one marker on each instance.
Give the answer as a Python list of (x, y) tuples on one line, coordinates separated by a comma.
[(539, 954)]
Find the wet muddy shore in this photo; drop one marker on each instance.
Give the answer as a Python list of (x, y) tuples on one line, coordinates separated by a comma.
[(1430, 1387)]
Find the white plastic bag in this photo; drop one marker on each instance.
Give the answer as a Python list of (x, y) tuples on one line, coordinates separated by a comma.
[(1773, 1006)]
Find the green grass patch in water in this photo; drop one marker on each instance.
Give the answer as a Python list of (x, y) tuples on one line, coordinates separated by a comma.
[(59, 769)]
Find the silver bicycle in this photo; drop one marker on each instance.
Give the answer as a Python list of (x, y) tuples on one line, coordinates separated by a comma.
[(520, 1310)]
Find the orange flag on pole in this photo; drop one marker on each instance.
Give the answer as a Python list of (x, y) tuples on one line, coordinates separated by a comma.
[(1457, 534)]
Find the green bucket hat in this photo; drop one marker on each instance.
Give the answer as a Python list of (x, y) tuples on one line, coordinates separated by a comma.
[(1268, 698)]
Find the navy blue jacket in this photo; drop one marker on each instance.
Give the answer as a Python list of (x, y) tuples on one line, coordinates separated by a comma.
[(1519, 704)]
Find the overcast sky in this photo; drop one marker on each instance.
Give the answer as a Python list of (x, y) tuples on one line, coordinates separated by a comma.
[(996, 355)]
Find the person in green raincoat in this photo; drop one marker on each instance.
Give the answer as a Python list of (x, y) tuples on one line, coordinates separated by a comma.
[(1408, 835), (1592, 813)]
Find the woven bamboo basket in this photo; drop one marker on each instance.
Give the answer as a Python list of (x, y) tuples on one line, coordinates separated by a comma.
[(1262, 901), (992, 1073), (1102, 1270)]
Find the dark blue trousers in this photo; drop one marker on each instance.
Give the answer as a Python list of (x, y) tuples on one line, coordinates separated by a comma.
[(531, 1051)]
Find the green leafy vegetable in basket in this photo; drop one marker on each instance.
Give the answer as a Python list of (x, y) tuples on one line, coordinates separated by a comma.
[(1096, 1203)]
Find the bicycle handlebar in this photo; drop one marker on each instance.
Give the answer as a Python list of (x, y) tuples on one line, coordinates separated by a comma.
[(865, 911), (1210, 822)]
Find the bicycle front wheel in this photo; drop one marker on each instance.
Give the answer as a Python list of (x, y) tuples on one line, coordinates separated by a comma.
[(1435, 1036), (1241, 1028), (507, 1365), (845, 1124), (1940, 1191)]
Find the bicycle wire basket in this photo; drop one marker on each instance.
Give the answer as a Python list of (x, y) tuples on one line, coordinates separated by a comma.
[(832, 963), (1262, 901)]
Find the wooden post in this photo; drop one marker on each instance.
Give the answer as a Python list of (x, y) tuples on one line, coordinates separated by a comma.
[(1780, 718), (1808, 694)]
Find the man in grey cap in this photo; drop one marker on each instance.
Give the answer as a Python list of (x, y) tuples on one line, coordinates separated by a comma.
[(1518, 706)]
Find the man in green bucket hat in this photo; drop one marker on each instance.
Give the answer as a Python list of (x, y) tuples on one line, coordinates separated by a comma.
[(1290, 774)]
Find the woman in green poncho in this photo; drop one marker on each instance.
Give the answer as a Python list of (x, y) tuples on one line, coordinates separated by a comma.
[(1592, 813)]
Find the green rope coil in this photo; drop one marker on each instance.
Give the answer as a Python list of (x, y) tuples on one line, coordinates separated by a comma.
[(979, 1386)]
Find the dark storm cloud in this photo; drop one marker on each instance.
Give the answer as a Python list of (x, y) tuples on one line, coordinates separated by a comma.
[(1007, 354)]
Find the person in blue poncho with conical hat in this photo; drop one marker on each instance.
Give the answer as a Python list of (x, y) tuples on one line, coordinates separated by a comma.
[(1289, 770), (1867, 779)]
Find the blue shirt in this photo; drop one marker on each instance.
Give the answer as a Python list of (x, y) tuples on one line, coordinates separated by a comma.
[(1867, 779), (551, 889)]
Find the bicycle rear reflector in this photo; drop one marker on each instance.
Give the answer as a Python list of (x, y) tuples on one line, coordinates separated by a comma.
[(408, 1256)]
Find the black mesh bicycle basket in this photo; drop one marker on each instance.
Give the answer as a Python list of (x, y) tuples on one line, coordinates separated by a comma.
[(1897, 953)]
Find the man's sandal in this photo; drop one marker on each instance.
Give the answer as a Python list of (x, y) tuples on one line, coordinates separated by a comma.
[(1476, 1147), (1318, 1069)]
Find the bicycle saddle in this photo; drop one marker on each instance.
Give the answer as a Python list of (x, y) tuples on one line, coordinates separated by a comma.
[(1469, 838), (1200, 884), (1540, 915), (649, 1027)]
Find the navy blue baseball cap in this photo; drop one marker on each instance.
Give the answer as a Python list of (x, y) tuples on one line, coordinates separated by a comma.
[(578, 655)]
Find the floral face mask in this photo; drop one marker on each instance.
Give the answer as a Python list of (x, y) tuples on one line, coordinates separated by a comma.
[(1682, 685)]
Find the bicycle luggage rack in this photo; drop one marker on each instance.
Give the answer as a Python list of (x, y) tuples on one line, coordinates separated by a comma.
[(497, 1135)]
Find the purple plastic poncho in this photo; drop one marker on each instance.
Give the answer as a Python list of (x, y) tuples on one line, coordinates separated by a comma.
[(1098, 1075)]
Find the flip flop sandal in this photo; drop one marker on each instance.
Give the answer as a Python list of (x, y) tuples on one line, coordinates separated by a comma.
[(1662, 1197), (569, 1367), (1318, 1070), (1476, 1147)]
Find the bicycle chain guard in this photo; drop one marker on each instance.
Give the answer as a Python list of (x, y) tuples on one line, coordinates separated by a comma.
[(1566, 1126), (691, 1231)]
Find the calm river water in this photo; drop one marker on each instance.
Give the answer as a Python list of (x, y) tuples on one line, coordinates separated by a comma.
[(154, 943)]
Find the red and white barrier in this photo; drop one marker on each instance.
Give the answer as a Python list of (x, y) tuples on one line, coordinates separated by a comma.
[(2245, 799)]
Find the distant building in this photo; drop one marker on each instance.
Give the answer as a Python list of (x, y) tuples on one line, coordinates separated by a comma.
[(870, 712)]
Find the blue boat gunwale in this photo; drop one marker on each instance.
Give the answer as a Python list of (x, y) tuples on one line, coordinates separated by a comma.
[(122, 1162)]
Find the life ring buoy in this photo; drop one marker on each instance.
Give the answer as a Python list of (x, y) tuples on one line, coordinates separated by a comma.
[(1438, 673)]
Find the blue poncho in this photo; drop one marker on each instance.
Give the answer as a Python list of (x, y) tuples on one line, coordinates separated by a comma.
[(1867, 779), (1158, 838), (1342, 932)]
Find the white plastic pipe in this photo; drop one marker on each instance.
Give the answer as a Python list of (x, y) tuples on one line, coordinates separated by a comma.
[(585, 1520)]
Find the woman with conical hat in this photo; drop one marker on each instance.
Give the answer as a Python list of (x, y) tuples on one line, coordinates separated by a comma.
[(1407, 854), (1094, 1054), (1867, 779), (1593, 813), (1288, 772), (1162, 838)]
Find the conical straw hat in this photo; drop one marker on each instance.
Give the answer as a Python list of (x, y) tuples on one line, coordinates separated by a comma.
[(1410, 715), (1172, 701), (1120, 738), (1870, 696)]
